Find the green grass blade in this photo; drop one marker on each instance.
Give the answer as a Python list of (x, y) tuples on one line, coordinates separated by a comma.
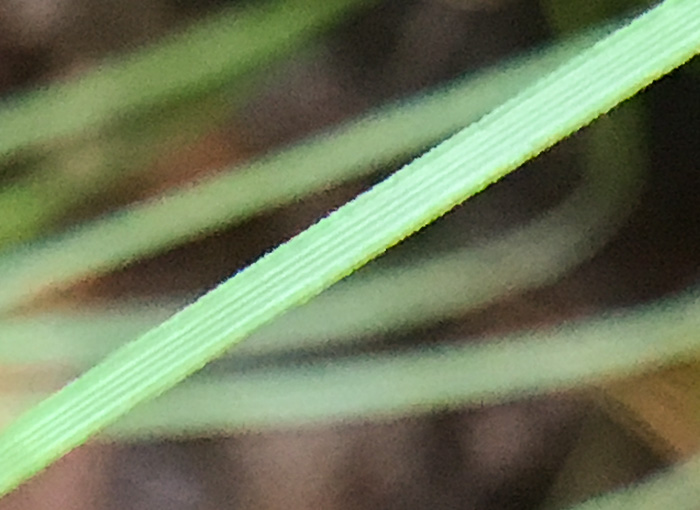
[(375, 385), (388, 385), (350, 152), (380, 298), (202, 58), (427, 379), (145, 99), (569, 98), (76, 339), (71, 174)]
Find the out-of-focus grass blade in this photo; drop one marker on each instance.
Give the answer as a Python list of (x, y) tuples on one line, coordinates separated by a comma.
[(113, 122), (507, 368), (76, 339), (574, 95), (349, 152), (203, 57), (379, 299), (389, 298), (74, 173)]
